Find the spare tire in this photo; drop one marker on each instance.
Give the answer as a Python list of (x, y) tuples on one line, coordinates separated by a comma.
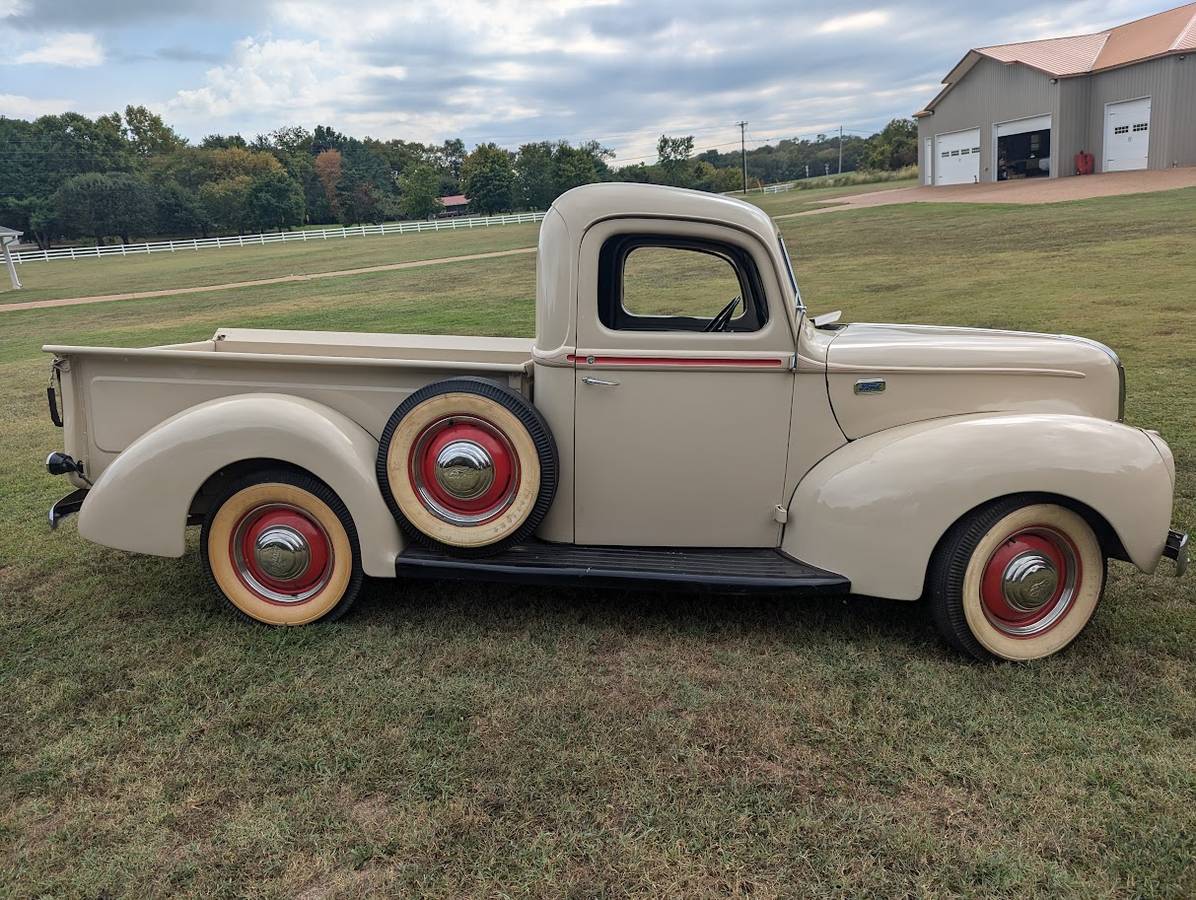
[(467, 464)]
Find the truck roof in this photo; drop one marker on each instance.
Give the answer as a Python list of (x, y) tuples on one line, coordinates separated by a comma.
[(585, 205)]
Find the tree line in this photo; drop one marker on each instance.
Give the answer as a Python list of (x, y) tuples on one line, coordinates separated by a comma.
[(119, 176)]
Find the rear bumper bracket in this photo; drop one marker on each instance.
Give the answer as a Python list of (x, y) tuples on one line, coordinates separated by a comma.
[(67, 506), (1177, 549)]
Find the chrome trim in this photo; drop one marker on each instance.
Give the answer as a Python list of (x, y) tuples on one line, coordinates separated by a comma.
[(1120, 392), (602, 382), (1029, 581), (464, 469), (438, 509), (281, 552), (1177, 549), (242, 565), (1062, 605)]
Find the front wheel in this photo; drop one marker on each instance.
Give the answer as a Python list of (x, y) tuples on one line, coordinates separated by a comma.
[(281, 548), (1016, 580)]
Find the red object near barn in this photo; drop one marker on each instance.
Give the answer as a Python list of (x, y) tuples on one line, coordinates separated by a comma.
[(1085, 163)]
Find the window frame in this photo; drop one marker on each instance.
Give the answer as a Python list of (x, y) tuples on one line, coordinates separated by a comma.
[(612, 259)]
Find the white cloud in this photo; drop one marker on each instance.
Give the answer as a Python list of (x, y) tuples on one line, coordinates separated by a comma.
[(864, 21), (18, 107), (282, 78), (72, 48)]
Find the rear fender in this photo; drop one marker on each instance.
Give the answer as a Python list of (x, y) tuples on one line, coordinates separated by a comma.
[(875, 509), (141, 500)]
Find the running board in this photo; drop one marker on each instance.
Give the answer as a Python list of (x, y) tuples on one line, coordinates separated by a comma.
[(732, 570)]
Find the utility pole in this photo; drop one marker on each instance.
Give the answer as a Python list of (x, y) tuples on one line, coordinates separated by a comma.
[(840, 149), (743, 152), (807, 170)]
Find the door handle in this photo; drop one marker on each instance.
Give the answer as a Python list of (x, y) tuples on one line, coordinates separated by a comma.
[(599, 381)]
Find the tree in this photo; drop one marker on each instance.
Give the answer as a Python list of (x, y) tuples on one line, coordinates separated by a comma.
[(583, 164), (419, 192), (148, 134), (534, 178), (179, 211), (674, 156), (274, 200), (488, 179), (225, 202), (451, 155), (329, 168), (100, 205), (222, 141), (366, 192), (894, 146)]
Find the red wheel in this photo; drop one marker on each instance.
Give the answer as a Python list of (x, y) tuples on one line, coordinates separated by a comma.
[(281, 553), (1030, 582), (464, 470), (1017, 580), (280, 547)]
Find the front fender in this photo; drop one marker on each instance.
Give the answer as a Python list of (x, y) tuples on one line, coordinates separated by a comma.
[(140, 502), (875, 509)]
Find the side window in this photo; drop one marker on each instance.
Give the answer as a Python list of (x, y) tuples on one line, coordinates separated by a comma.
[(659, 284)]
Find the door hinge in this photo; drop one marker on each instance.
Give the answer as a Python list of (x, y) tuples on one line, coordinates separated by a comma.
[(780, 514)]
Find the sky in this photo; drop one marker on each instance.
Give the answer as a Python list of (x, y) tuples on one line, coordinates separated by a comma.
[(511, 71)]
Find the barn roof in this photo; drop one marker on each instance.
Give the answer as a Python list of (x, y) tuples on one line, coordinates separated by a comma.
[(1163, 34)]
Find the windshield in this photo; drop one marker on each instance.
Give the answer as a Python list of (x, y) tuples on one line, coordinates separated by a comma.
[(792, 278)]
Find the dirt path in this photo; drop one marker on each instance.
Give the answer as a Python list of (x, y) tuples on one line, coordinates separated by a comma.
[(1024, 191), (171, 292)]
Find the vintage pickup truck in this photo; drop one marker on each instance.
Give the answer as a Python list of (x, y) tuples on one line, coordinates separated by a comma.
[(678, 421)]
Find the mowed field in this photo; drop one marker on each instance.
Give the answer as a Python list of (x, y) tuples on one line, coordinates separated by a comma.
[(447, 740)]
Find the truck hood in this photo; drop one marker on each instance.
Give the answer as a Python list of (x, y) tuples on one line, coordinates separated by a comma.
[(879, 376)]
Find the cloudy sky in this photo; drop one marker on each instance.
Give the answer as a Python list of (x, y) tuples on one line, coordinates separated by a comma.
[(620, 71)]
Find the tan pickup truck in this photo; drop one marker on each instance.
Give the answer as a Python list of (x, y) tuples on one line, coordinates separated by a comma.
[(679, 421)]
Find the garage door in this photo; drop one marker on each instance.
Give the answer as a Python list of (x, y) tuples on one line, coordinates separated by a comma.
[(1127, 135), (957, 157)]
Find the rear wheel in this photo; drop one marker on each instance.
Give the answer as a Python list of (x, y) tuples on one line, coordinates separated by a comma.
[(1016, 580), (281, 548)]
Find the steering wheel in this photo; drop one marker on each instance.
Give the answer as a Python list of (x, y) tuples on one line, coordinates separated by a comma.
[(723, 317)]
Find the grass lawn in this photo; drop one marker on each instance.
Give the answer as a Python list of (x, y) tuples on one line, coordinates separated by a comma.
[(196, 268), (479, 741), (797, 201)]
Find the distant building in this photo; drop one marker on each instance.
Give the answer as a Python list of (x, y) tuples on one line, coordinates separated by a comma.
[(1026, 110), (454, 205)]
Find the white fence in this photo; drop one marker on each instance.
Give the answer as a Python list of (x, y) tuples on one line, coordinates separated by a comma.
[(281, 237), (778, 188)]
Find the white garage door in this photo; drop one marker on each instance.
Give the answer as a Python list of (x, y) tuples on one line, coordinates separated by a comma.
[(1127, 135), (957, 157)]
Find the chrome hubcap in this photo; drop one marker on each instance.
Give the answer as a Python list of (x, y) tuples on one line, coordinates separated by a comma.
[(1029, 581), (464, 470), (281, 552)]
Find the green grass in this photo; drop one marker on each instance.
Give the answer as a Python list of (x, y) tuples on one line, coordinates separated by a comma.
[(480, 741), (797, 201), (198, 268)]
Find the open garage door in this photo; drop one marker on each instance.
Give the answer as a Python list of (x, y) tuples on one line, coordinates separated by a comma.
[(1023, 148), (1127, 135), (957, 157)]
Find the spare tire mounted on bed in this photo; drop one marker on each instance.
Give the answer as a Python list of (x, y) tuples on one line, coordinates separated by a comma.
[(469, 464)]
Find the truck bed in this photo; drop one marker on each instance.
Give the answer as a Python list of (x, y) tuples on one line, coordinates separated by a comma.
[(112, 395)]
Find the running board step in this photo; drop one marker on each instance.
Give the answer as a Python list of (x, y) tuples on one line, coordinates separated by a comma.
[(731, 570)]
